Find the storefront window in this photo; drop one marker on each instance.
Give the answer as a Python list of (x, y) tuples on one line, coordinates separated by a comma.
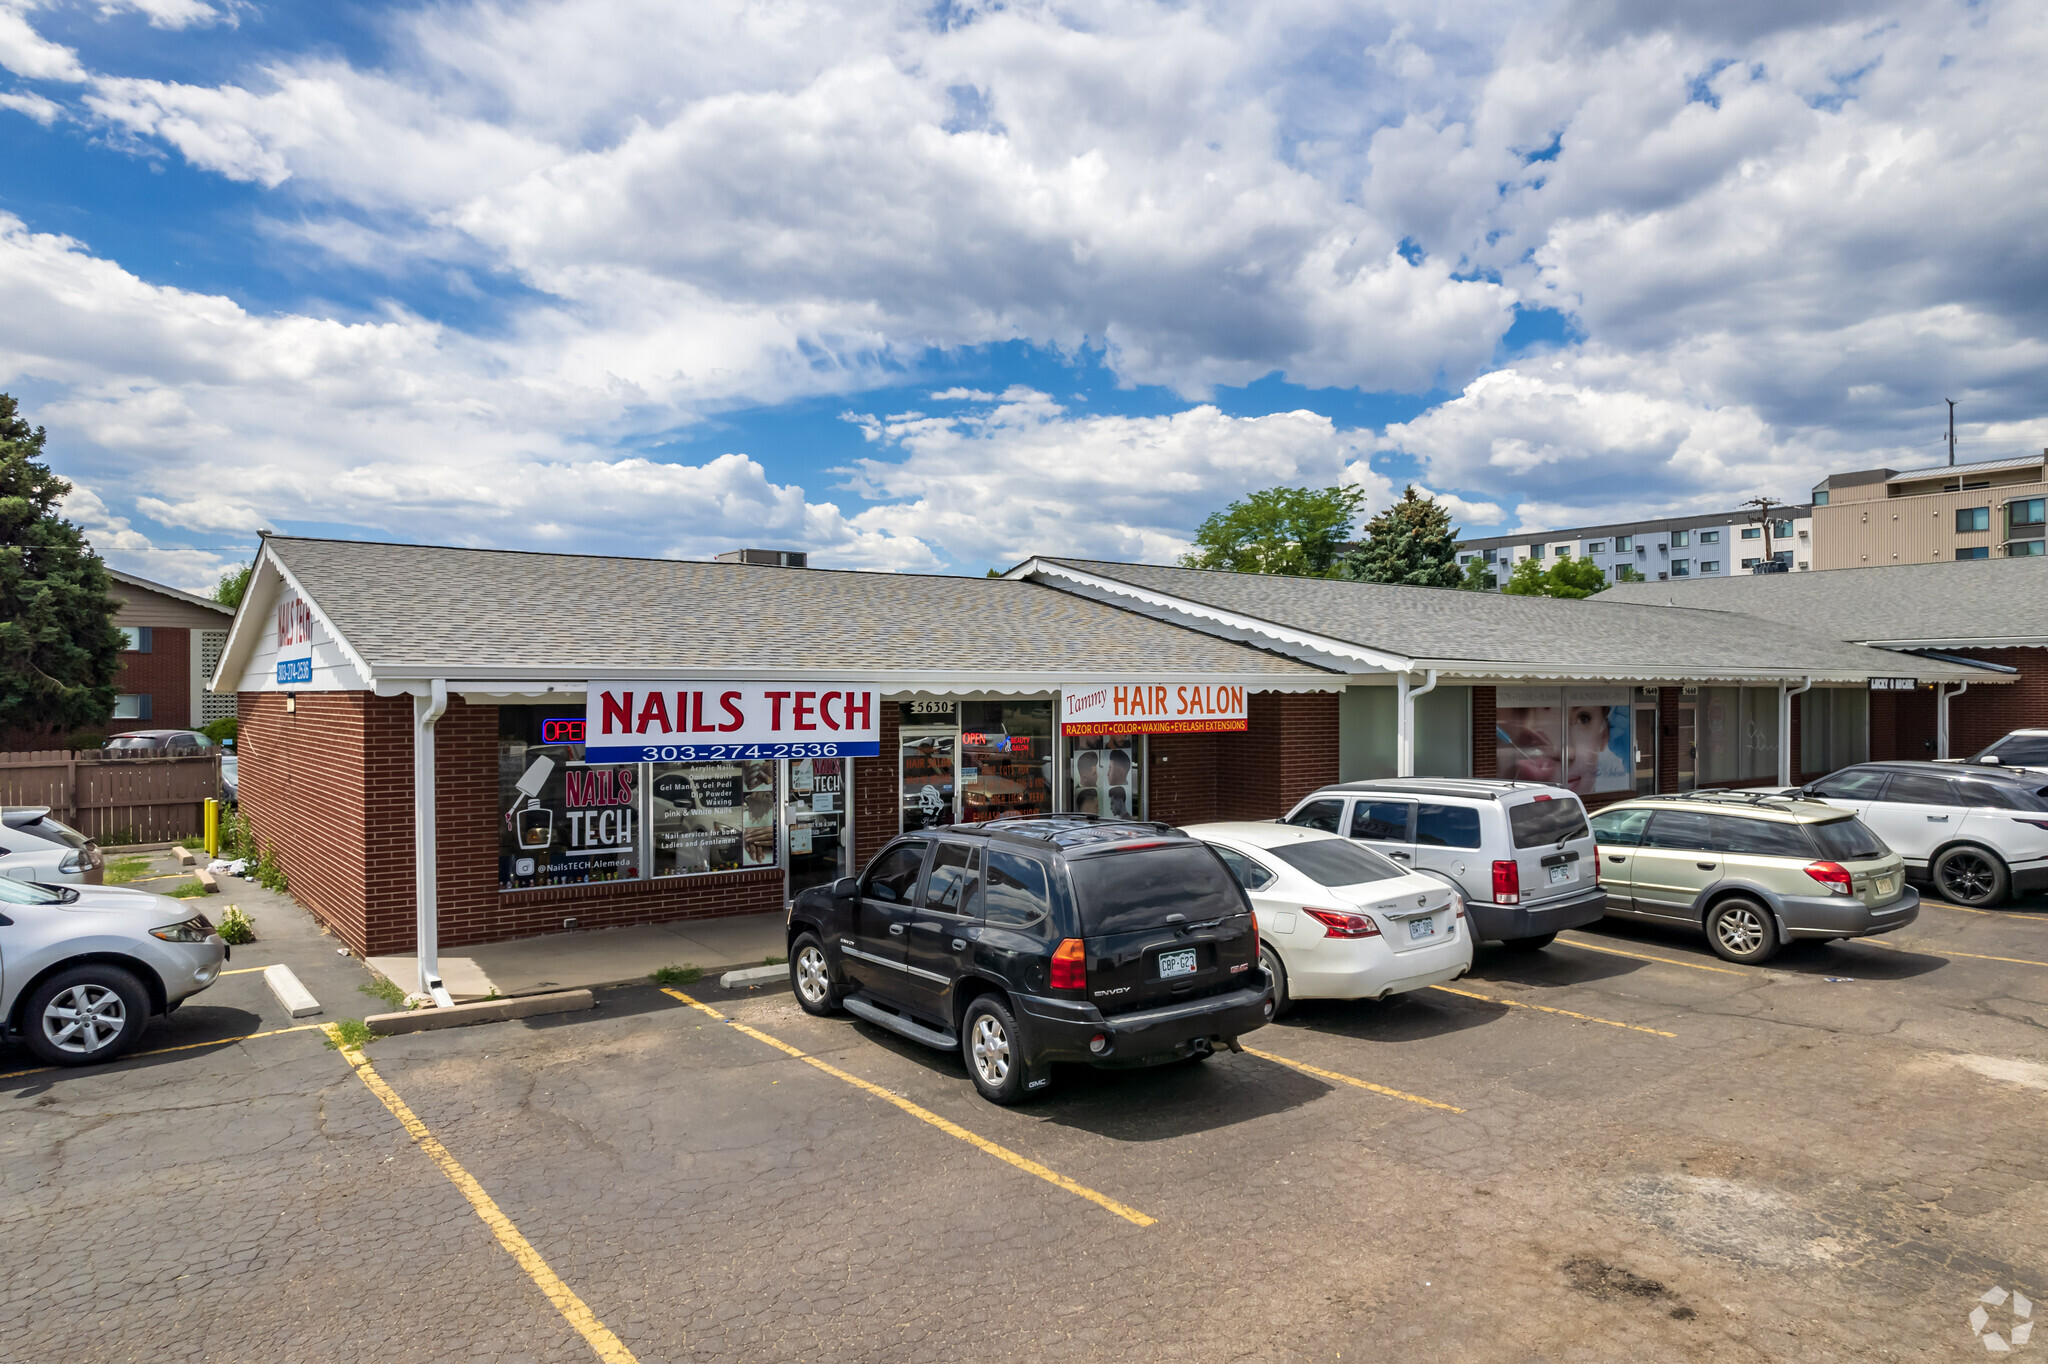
[(563, 822), (1738, 734), (710, 817), (1105, 773), (1005, 759), (1578, 737)]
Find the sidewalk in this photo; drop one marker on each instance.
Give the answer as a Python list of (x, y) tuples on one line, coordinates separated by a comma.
[(605, 956)]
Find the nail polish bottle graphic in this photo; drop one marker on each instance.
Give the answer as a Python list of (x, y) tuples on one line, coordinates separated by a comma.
[(536, 822)]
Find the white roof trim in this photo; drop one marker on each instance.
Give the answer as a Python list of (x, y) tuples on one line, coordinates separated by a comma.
[(241, 634), (551, 685), (1305, 646), (1973, 642)]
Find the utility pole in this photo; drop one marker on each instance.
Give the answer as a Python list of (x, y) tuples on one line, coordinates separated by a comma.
[(1763, 507), (1951, 432)]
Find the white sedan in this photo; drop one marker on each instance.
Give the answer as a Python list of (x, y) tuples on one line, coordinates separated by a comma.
[(1337, 921)]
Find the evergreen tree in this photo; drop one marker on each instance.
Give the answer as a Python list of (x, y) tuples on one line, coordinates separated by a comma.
[(1293, 531), (59, 650), (1411, 542)]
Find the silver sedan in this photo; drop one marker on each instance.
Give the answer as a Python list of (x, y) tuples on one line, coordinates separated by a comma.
[(83, 968)]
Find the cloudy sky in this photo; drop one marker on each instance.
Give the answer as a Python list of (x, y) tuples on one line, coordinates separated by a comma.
[(936, 286)]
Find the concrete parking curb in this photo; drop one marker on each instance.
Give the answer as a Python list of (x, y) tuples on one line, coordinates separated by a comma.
[(753, 975), (483, 1011), (296, 998)]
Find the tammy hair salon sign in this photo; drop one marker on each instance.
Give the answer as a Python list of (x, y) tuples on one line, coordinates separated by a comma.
[(1151, 708), (632, 722)]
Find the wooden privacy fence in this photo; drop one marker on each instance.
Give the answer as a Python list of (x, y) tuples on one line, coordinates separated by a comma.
[(115, 797)]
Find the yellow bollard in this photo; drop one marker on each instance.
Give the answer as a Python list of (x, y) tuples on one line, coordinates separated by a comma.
[(212, 827)]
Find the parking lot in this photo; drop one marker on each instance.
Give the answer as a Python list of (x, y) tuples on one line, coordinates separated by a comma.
[(1618, 1148)]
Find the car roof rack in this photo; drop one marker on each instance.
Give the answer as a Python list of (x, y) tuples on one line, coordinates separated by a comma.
[(1723, 794)]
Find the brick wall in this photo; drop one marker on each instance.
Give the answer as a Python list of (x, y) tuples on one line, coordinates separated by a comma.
[(875, 782), (1183, 773), (1988, 712), (327, 787), (164, 674), (1289, 752)]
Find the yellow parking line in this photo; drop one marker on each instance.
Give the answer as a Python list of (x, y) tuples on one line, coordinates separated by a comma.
[(573, 1309), (1642, 956), (244, 970), (1342, 1079), (1993, 913), (1545, 1008), (1938, 951), (182, 1046), (951, 1129)]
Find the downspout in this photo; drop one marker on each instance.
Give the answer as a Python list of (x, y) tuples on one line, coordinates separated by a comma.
[(1943, 697), (425, 711), (1404, 755), (1785, 728)]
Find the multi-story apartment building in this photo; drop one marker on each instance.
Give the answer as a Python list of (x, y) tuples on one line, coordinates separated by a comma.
[(1705, 545), (1988, 510)]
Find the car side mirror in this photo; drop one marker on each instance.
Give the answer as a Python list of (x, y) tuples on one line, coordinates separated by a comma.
[(1992, 760), (845, 887)]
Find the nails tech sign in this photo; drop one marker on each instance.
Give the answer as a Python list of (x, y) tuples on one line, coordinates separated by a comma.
[(629, 722)]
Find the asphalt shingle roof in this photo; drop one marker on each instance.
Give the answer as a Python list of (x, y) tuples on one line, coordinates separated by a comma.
[(1482, 632), (1986, 600), (413, 610)]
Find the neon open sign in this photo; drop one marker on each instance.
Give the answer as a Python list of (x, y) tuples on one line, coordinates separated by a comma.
[(568, 730)]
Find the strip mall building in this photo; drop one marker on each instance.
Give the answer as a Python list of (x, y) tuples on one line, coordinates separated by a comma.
[(450, 746)]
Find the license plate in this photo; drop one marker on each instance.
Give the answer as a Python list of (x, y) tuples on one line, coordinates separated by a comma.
[(1181, 963), (1560, 874), (1421, 928), (1883, 885)]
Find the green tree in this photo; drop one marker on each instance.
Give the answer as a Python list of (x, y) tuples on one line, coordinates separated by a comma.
[(1578, 578), (1479, 576), (1526, 580), (1411, 542), (1294, 531), (59, 650), (228, 591)]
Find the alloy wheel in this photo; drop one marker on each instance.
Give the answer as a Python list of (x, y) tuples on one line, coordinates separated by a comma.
[(813, 981), (991, 1051), (1968, 877), (84, 1018), (1739, 930)]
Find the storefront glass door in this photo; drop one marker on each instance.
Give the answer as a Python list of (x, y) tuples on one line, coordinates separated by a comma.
[(1688, 741), (820, 848), (927, 768), (1644, 732), (1005, 759)]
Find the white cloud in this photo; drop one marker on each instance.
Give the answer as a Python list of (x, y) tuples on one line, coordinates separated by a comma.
[(1781, 234), (27, 53), (1024, 477), (120, 544), (34, 106), (173, 14)]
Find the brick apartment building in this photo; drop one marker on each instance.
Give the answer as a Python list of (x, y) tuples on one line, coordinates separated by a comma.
[(415, 717), (174, 641)]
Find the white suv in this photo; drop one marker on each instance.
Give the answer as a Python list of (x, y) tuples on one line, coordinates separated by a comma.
[(1978, 833), (1521, 852)]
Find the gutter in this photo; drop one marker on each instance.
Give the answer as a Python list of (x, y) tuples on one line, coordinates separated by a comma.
[(426, 710)]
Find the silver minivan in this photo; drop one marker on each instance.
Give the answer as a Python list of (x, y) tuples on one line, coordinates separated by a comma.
[(1522, 852)]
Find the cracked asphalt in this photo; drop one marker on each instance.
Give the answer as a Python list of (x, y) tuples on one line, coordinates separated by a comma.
[(1831, 1157)]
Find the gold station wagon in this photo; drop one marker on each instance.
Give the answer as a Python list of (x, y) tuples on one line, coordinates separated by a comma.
[(1753, 871)]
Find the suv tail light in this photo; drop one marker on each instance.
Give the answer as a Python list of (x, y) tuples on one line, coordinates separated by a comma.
[(1255, 928), (1833, 875), (1507, 883), (1070, 966), (1341, 923)]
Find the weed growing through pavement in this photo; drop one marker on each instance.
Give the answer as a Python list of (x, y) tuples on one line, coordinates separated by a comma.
[(122, 870), (354, 1034), (679, 975), (379, 988), (772, 960), (191, 890), (234, 928)]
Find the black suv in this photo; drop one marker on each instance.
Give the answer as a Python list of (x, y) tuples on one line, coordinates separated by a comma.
[(1022, 942)]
